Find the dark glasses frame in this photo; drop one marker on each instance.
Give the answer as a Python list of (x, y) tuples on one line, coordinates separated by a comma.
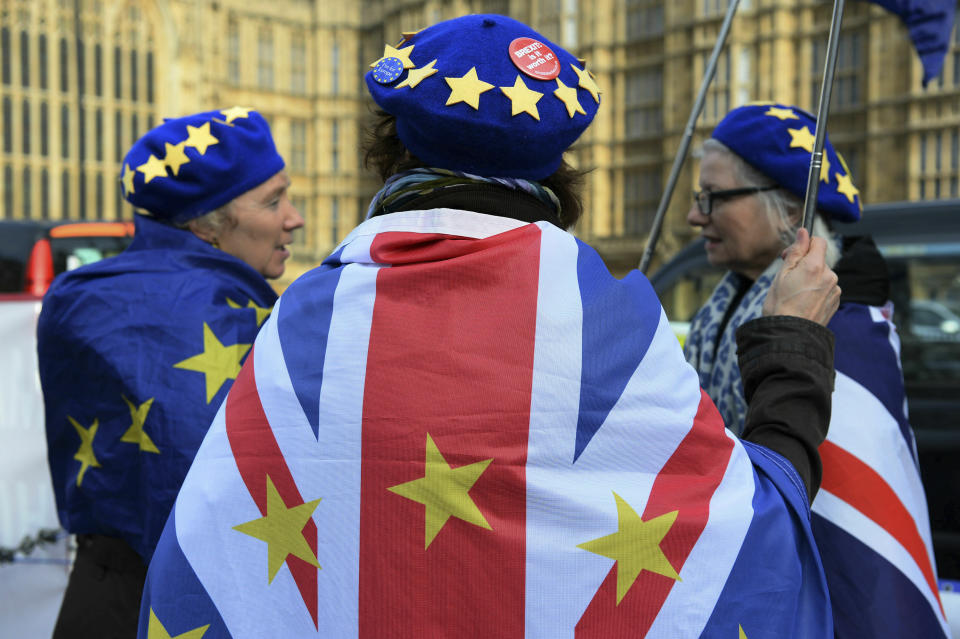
[(704, 199)]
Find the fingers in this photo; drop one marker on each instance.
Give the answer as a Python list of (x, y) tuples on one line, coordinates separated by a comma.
[(793, 253)]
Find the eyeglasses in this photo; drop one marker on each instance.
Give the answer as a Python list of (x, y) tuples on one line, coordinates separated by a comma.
[(705, 199)]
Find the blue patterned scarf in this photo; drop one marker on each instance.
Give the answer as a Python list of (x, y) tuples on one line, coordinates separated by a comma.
[(408, 185), (714, 354)]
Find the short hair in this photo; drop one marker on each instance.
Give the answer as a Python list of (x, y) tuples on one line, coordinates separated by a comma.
[(216, 220), (781, 206), (386, 154)]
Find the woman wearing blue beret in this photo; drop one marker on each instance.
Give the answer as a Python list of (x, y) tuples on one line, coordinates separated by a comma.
[(137, 351), (870, 517), (461, 425)]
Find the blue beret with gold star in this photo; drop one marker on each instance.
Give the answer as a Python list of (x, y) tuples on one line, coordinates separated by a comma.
[(485, 94), (778, 140), (189, 166)]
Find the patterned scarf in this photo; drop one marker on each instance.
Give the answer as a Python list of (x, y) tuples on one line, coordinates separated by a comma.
[(408, 185), (714, 354)]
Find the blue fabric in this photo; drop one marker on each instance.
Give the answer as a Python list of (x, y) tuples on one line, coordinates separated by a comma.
[(175, 596), (856, 333), (306, 365), (192, 165), (754, 587), (777, 140), (610, 353), (109, 338), (489, 140), (929, 23), (875, 600)]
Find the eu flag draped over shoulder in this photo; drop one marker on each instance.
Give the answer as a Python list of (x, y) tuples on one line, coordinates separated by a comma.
[(929, 23), (130, 393), (447, 429)]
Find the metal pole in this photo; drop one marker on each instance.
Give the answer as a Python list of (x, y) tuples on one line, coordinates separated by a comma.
[(823, 109), (81, 112), (708, 74)]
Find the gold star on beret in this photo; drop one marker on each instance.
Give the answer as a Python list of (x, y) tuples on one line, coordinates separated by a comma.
[(126, 178), (152, 168), (586, 82), (467, 89), (175, 156), (408, 35), (401, 54), (199, 137), (416, 76), (782, 114), (568, 95), (801, 139), (235, 112), (825, 169), (522, 98), (846, 187)]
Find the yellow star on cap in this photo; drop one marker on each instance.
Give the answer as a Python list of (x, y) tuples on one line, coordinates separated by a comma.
[(262, 312), (782, 114), (416, 76), (825, 169), (467, 89), (568, 95), (155, 630), (523, 99), (235, 112), (445, 491), (407, 35), (801, 139), (217, 362), (741, 634), (126, 178), (199, 137), (282, 529), (85, 454), (586, 82), (135, 434), (635, 546), (175, 157), (846, 187), (152, 168), (402, 54)]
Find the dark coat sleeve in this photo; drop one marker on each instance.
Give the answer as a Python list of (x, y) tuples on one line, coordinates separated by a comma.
[(787, 368)]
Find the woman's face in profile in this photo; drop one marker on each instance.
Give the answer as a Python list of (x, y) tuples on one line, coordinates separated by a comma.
[(261, 224), (738, 232)]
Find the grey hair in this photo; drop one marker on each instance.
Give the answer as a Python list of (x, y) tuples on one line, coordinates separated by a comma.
[(780, 205), (215, 221)]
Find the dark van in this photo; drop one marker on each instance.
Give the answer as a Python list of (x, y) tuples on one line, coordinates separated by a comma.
[(921, 242), (32, 253)]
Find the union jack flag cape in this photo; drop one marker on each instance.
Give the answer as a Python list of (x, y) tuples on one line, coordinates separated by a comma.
[(870, 516), (463, 425)]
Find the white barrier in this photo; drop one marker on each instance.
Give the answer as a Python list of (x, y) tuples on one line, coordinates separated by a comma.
[(31, 587)]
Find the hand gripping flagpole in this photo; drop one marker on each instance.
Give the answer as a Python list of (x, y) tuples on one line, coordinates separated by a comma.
[(816, 158), (708, 74)]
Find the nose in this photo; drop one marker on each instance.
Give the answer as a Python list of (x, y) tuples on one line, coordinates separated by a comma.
[(695, 217), (293, 220)]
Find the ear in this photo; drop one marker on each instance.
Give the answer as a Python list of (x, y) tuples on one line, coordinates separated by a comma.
[(204, 231)]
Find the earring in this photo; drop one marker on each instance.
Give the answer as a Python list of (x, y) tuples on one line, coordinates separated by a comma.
[(215, 243)]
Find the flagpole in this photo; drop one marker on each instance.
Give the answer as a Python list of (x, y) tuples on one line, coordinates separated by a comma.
[(826, 90), (678, 160)]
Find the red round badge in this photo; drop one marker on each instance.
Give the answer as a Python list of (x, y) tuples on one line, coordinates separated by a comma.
[(534, 58)]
